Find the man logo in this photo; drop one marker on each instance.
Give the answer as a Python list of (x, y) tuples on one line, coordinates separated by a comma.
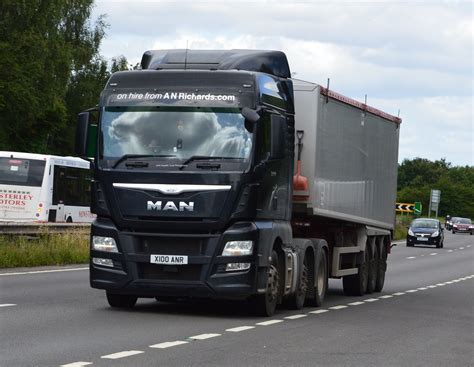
[(182, 206)]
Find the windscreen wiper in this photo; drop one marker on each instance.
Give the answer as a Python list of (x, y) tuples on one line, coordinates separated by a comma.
[(206, 158), (128, 156)]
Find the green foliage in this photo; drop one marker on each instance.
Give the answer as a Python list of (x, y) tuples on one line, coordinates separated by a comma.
[(50, 69), (417, 177), (45, 249)]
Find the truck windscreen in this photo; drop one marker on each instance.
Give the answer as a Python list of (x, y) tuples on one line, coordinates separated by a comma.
[(22, 172), (174, 133)]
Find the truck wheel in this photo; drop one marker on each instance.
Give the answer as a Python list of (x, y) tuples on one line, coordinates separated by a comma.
[(265, 304), (373, 271), (321, 284), (296, 300), (356, 285), (382, 268), (121, 300)]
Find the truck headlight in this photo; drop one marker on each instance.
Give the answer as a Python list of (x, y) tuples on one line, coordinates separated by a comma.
[(238, 248), (410, 232), (435, 234), (106, 244)]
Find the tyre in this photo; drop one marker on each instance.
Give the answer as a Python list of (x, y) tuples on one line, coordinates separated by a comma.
[(121, 300), (296, 300), (356, 285), (265, 304), (69, 220), (382, 268), (453, 231), (319, 280), (373, 271)]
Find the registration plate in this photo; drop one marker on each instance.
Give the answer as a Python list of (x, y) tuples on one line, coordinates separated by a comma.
[(422, 239), (169, 259)]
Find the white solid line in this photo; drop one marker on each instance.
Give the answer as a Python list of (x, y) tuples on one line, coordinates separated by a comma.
[(126, 353), (168, 344), (398, 294), (76, 364), (340, 307), (240, 328), (434, 253), (318, 311), (43, 271), (386, 296), (204, 336), (294, 317), (422, 289), (7, 305), (355, 303), (270, 322), (411, 257), (370, 300), (411, 291)]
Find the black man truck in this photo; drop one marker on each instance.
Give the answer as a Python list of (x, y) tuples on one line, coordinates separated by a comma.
[(195, 190)]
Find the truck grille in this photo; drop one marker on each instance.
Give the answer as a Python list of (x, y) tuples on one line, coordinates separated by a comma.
[(190, 272)]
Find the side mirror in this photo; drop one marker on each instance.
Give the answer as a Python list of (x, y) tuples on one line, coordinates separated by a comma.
[(86, 134), (278, 134)]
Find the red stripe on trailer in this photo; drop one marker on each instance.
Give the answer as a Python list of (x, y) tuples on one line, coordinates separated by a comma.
[(362, 106)]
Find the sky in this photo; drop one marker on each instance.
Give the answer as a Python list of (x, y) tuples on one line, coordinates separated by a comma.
[(410, 58)]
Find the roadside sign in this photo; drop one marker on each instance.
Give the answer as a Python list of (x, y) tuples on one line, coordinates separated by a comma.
[(435, 196), (417, 208), (404, 207)]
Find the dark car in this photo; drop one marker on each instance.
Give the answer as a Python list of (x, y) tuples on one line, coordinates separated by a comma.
[(425, 231), (462, 225)]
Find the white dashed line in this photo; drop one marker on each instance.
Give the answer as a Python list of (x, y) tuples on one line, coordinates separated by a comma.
[(340, 307), (318, 311), (440, 284), (450, 282), (422, 289), (398, 294), (43, 271), (433, 254), (168, 344), (450, 250), (411, 257), (355, 303), (370, 300), (431, 286), (7, 305), (123, 354), (386, 296), (240, 328), (294, 317), (468, 246), (204, 336), (461, 248), (270, 322), (412, 291), (76, 364)]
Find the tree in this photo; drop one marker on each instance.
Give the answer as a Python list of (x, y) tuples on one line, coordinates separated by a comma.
[(43, 46)]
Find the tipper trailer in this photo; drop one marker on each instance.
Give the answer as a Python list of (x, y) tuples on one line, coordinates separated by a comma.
[(195, 192)]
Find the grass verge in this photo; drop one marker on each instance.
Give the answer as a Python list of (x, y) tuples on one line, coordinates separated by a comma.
[(44, 249)]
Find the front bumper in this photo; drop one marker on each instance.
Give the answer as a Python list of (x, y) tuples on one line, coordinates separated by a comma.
[(418, 240), (203, 277)]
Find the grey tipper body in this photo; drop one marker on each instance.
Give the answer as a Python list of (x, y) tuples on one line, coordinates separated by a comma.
[(349, 157)]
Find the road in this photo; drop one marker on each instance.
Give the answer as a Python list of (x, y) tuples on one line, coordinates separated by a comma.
[(423, 317)]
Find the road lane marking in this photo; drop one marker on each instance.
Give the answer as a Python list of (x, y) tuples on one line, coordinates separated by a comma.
[(126, 353), (431, 286), (386, 296), (270, 322), (412, 290), (318, 312), (204, 336), (340, 307), (370, 300), (7, 305), (398, 294), (168, 344), (42, 271), (76, 364), (411, 257), (294, 317), (358, 303), (433, 254), (468, 246), (240, 328), (440, 284), (461, 248), (450, 250), (422, 288)]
